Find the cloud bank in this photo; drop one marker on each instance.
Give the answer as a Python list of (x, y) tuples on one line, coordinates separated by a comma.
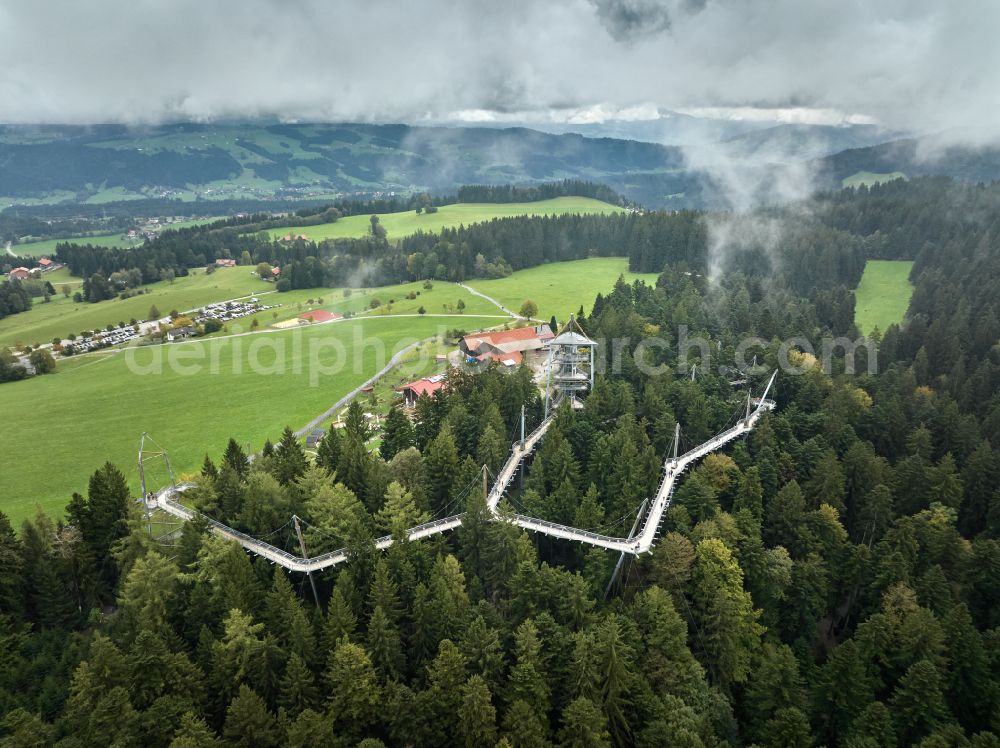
[(912, 64)]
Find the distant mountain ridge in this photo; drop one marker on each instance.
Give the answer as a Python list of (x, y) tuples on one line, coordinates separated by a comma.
[(190, 161), (914, 157), (319, 162)]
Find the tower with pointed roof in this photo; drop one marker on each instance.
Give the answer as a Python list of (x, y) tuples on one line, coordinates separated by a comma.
[(570, 366)]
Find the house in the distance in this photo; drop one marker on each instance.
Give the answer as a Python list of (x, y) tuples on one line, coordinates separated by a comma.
[(224, 262), (45, 264), (314, 437), (426, 386), (179, 333), (19, 274)]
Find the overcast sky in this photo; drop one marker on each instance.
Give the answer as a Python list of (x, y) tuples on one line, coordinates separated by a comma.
[(910, 64)]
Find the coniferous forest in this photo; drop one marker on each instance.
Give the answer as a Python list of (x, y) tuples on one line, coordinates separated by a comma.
[(831, 580)]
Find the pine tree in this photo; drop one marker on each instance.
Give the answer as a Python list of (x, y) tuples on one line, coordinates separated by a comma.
[(918, 704), (192, 732), (11, 579), (491, 450), (352, 687), (724, 613), (397, 434), (477, 716), (340, 623), (523, 728), (446, 676), (441, 466), (298, 687), (750, 494), (527, 681), (788, 728), (843, 687), (249, 723), (236, 459), (328, 451), (353, 469), (334, 510), (480, 645), (108, 502), (399, 512), (614, 677), (583, 726), (290, 460), (385, 645), (208, 468), (355, 423)]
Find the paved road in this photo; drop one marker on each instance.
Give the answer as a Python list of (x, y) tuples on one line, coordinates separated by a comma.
[(497, 304)]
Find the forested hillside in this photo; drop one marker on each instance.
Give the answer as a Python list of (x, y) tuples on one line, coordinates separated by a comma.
[(253, 161), (830, 581)]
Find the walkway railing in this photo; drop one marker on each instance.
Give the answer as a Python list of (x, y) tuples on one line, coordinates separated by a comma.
[(641, 542)]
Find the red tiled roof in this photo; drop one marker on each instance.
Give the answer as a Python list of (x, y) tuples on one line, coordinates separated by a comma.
[(426, 386), (319, 315), (514, 356), (44, 262), (500, 337)]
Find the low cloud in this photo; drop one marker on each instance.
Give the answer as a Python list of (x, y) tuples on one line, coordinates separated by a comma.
[(917, 65)]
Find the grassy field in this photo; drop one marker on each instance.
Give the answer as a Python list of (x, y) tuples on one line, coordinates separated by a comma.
[(47, 248), (868, 178), (62, 316), (95, 408), (560, 288), (883, 295), (398, 225)]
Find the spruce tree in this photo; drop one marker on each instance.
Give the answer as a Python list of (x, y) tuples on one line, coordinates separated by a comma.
[(441, 467), (249, 723), (236, 459), (385, 646), (328, 451), (298, 687), (583, 726), (477, 716), (397, 434)]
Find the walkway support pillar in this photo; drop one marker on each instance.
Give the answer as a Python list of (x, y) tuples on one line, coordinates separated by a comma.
[(302, 545), (621, 559)]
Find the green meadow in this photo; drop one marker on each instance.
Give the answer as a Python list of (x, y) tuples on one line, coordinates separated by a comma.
[(883, 295), (398, 225), (47, 247), (191, 397), (62, 316), (95, 407), (560, 288)]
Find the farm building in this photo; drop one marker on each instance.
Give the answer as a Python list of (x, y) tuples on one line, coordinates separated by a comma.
[(318, 315), (223, 262), (180, 333), (508, 360), (314, 437), (45, 263), (426, 386), (19, 274), (484, 345)]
